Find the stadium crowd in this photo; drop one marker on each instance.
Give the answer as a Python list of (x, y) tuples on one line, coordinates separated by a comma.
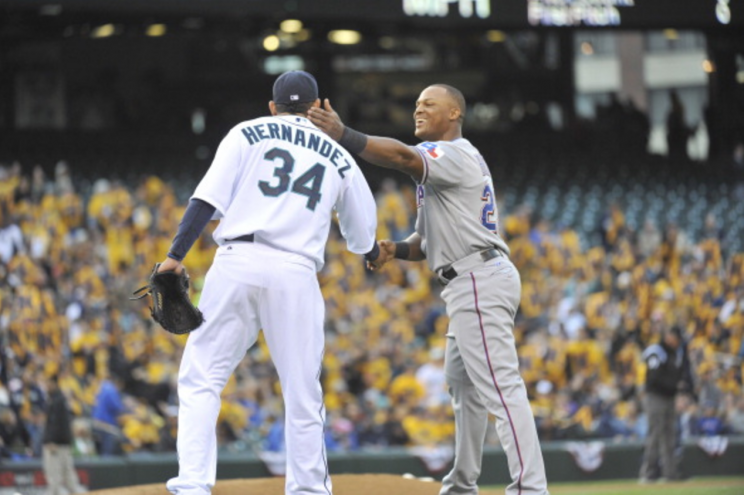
[(70, 259)]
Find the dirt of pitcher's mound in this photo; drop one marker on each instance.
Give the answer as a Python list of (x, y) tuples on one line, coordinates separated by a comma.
[(343, 484)]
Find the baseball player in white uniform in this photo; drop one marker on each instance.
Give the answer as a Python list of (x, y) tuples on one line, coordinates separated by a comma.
[(274, 184), (457, 233)]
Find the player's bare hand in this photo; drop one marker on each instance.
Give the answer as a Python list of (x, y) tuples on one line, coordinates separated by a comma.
[(327, 120), (170, 264), (387, 252)]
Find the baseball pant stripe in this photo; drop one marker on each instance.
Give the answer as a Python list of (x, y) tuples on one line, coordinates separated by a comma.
[(495, 382), (321, 414)]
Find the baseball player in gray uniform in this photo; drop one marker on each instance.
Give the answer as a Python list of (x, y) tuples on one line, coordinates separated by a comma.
[(457, 233), (274, 184)]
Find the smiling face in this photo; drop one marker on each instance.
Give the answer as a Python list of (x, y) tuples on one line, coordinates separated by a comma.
[(437, 115)]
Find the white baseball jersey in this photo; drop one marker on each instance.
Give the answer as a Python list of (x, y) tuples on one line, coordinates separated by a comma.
[(279, 178)]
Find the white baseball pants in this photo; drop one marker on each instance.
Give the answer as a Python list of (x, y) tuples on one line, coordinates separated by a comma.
[(250, 287)]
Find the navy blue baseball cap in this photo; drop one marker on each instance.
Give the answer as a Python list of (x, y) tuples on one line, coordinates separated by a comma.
[(296, 86)]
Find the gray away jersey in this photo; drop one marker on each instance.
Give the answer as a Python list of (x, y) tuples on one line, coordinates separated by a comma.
[(457, 212)]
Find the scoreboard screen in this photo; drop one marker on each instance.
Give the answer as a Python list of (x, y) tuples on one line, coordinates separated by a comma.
[(631, 14), (515, 14)]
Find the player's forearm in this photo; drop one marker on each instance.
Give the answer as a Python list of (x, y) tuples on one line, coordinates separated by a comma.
[(196, 217), (384, 152), (391, 153), (410, 249)]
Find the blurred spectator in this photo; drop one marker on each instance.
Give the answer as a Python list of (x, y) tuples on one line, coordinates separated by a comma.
[(637, 128), (431, 376), (341, 434), (649, 239), (613, 225), (83, 444), (687, 414), (168, 435), (35, 425), (274, 441), (141, 427), (627, 422), (678, 132), (709, 423), (107, 411), (11, 237), (395, 431), (15, 442), (738, 157), (735, 418), (405, 388), (708, 391), (57, 457)]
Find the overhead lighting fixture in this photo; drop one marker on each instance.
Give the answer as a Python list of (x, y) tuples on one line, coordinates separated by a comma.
[(708, 66), (286, 40), (303, 35), (155, 30), (291, 26), (496, 36), (103, 31), (271, 43), (345, 37), (671, 34)]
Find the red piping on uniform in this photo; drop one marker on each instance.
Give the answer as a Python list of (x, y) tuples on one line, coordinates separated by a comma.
[(495, 384), (426, 166)]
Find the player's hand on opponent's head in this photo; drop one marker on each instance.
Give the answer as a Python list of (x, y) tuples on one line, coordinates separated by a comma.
[(387, 252), (327, 120)]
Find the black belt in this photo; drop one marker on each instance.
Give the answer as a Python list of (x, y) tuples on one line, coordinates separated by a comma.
[(487, 254), (242, 238)]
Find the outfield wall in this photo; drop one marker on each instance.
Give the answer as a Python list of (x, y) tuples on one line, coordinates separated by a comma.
[(607, 461)]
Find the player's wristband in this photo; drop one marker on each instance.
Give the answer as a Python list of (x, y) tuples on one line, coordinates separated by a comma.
[(174, 256), (402, 250), (352, 140), (374, 253)]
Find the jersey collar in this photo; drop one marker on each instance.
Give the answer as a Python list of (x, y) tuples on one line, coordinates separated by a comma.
[(296, 119)]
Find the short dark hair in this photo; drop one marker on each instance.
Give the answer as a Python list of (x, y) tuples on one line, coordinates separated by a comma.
[(456, 95), (295, 108)]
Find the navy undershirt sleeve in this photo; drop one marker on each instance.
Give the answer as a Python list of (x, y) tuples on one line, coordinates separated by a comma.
[(373, 253), (195, 218)]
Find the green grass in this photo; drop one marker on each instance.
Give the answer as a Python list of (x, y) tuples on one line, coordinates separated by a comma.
[(694, 486)]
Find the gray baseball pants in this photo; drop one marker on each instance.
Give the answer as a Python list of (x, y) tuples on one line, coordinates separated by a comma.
[(483, 377), (661, 437)]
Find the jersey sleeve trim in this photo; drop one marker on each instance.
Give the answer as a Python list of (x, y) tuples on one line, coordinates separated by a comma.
[(212, 201), (426, 165)]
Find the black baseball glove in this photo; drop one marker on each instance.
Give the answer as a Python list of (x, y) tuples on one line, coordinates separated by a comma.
[(171, 306)]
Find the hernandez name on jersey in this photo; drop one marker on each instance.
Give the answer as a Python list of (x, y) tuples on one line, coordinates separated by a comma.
[(298, 137)]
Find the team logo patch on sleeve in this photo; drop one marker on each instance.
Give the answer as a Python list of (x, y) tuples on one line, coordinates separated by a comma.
[(433, 150)]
